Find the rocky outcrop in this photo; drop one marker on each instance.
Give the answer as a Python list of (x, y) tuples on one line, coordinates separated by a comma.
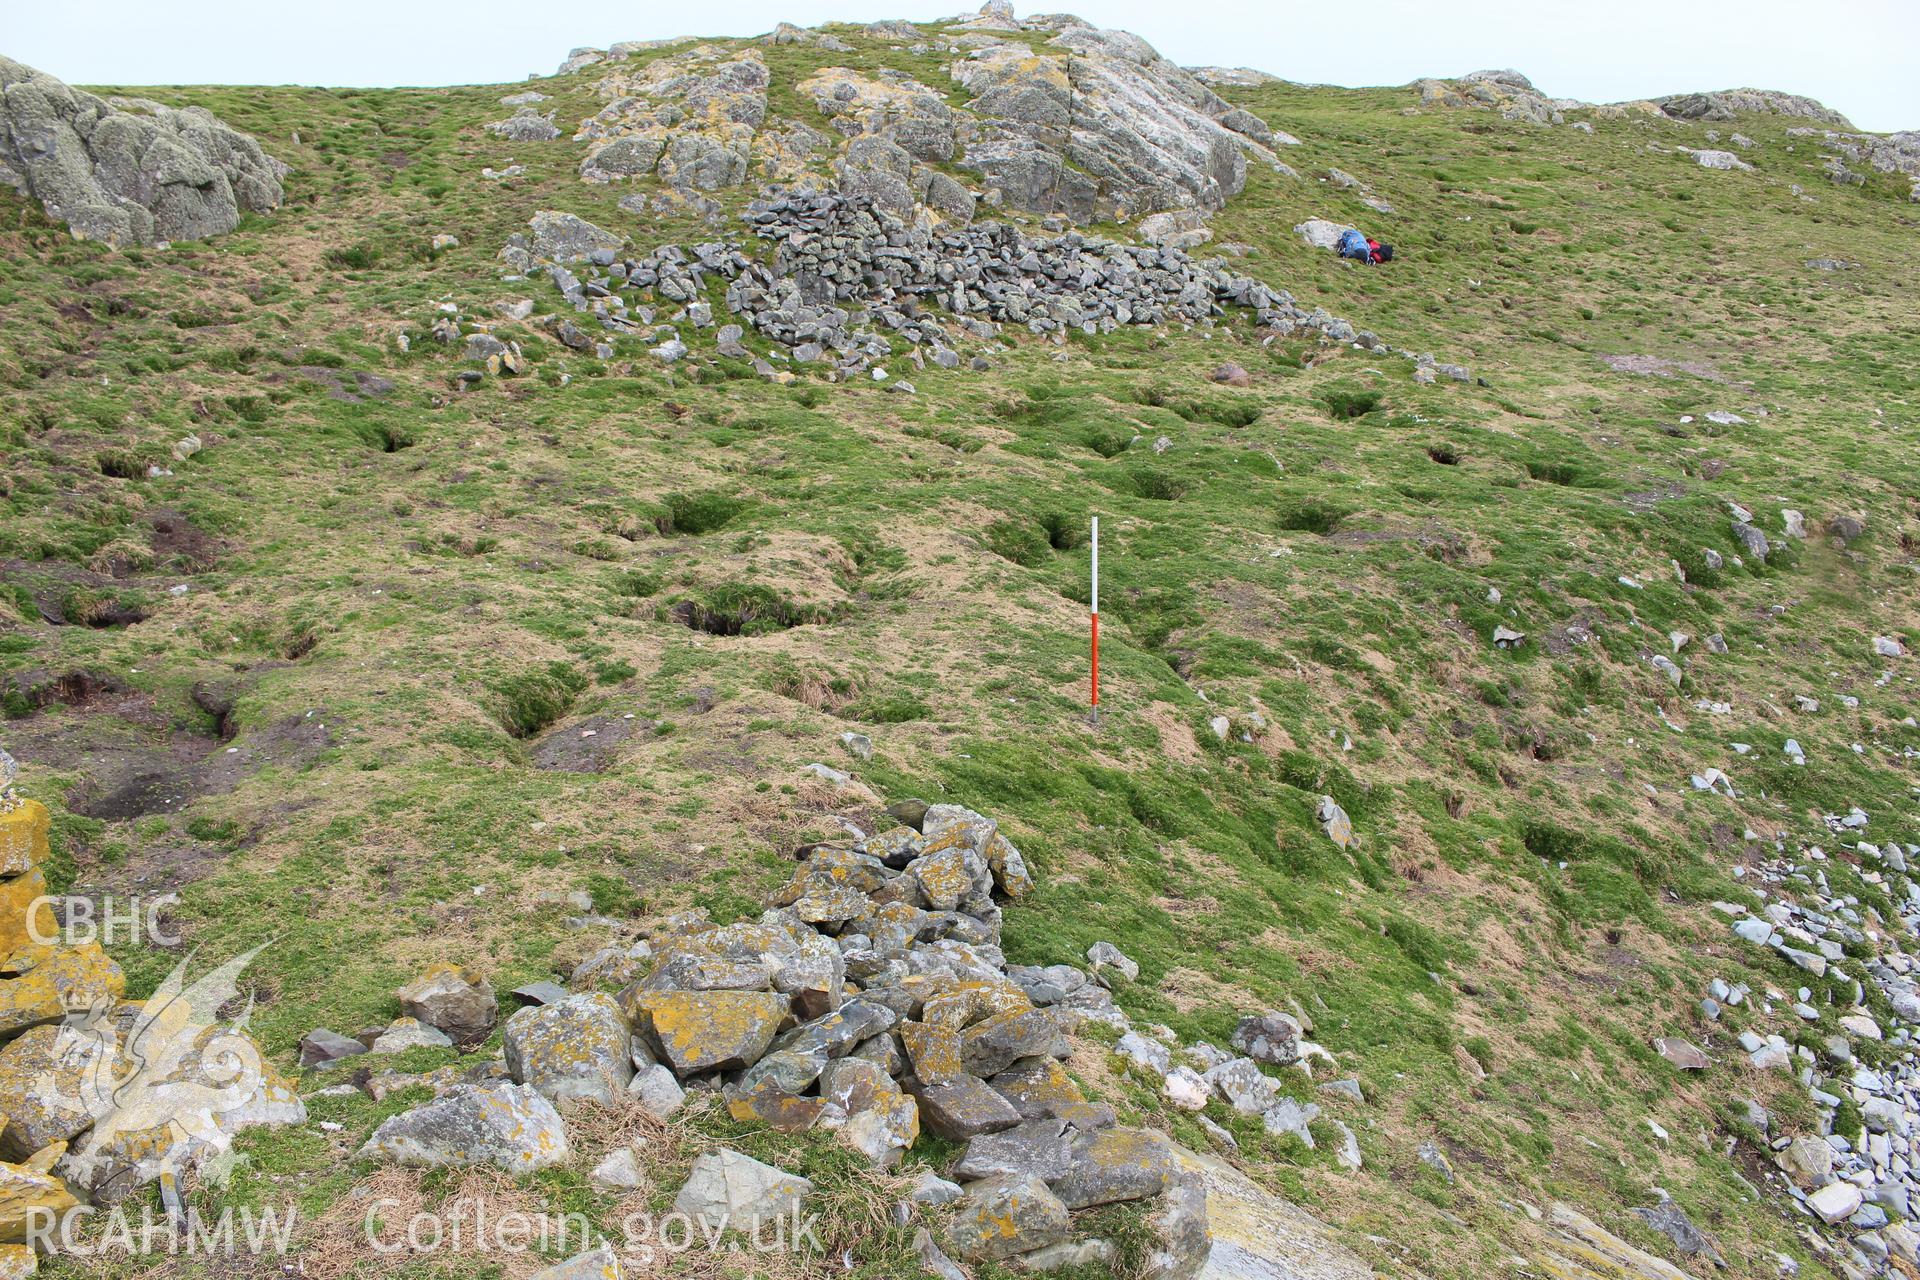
[(1731, 104), (1886, 153), (1103, 128), (691, 117), (127, 171), (1094, 125), (1508, 92), (1232, 77)]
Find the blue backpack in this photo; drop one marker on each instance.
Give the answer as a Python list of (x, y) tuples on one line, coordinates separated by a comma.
[(1353, 245)]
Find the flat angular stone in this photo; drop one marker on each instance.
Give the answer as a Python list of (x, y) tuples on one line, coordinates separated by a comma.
[(992, 1046), (698, 1031), (573, 1048), (508, 1126), (321, 1046), (459, 1001), (1683, 1054), (835, 1034), (961, 1109), (54, 1083), (1115, 1164), (1043, 1148), (79, 976), (1035, 1086), (933, 1051), (728, 1189), (1004, 1216)]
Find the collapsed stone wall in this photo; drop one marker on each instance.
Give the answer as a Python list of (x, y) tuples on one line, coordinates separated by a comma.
[(871, 1000), (845, 280)]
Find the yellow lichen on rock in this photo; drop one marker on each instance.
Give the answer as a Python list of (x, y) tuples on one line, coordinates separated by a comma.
[(26, 917), (23, 837), (22, 1191), (75, 977), (711, 1030)]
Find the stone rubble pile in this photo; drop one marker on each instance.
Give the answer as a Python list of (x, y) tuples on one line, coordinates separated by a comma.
[(102, 1096), (845, 280), (870, 1000), (1860, 1174)]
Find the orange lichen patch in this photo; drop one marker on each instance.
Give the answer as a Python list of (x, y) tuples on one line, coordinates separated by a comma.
[(934, 1051), (969, 1002), (776, 1108), (23, 837), (943, 872), (23, 1190), (711, 1030), (1008, 867), (25, 915), (69, 977)]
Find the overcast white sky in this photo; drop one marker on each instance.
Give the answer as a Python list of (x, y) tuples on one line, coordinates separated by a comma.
[(1859, 56)]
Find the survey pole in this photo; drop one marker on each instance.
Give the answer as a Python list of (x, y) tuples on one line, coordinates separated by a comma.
[(1094, 616)]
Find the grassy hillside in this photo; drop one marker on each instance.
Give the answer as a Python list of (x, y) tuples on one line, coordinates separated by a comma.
[(414, 596)]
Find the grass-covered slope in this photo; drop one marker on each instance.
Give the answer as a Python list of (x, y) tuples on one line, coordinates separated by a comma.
[(413, 596)]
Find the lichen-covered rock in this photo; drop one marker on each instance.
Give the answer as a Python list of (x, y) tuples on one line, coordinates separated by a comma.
[(526, 125), (508, 1126), (1035, 1086), (691, 115), (882, 1121), (26, 918), (934, 1052), (992, 1046), (696, 1031), (128, 171), (51, 1086), (1043, 1148), (726, 1188), (563, 238), (196, 1086), (457, 1000), (1007, 1215), (1180, 1239), (1271, 1037), (1097, 124), (1730, 104), (403, 1034), (891, 106), (1115, 1164), (1257, 1234), (1508, 92), (596, 1264), (23, 837), (62, 978), (573, 1048), (961, 1109), (26, 1196)]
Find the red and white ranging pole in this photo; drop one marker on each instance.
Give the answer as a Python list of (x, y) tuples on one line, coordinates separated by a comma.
[(1095, 616)]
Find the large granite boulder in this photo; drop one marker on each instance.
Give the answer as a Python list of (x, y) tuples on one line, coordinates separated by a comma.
[(1098, 125), (127, 171)]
